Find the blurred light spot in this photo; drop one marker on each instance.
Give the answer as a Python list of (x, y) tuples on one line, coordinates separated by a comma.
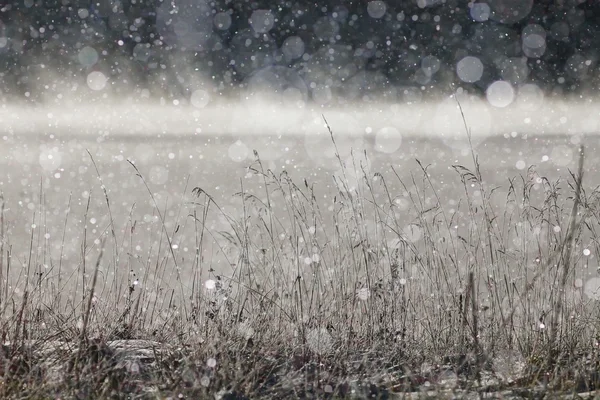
[(340, 13), (50, 159), (530, 97), (142, 52), (293, 47), (469, 69), (238, 151), (87, 56), (222, 21), (200, 98), (159, 175), (210, 284), (592, 288), (500, 94), (480, 12), (96, 80), (262, 21), (388, 140), (533, 40), (376, 9), (430, 65)]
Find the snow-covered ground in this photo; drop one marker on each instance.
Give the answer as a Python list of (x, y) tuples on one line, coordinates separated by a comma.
[(48, 175)]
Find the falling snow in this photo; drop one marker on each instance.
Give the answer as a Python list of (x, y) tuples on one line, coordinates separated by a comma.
[(184, 162)]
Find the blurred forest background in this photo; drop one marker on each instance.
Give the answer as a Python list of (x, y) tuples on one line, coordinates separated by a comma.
[(329, 52)]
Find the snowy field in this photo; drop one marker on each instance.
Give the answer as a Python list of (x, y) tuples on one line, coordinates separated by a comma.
[(359, 234), (48, 175)]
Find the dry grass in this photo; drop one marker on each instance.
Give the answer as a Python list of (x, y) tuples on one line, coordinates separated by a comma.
[(329, 298)]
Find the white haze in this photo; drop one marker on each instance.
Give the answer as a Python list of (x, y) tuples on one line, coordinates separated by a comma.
[(262, 117)]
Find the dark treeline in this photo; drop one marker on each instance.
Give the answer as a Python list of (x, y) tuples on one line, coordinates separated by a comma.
[(155, 45)]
